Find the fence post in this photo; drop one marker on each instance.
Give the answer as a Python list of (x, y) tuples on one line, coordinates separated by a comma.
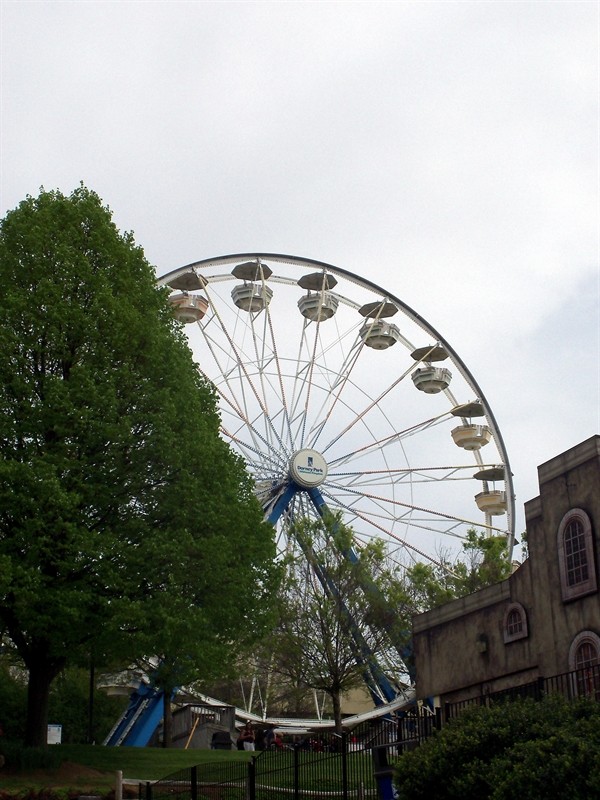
[(194, 783), (119, 784), (344, 765), (383, 773), (296, 772), (447, 712), (148, 790), (540, 688), (251, 784)]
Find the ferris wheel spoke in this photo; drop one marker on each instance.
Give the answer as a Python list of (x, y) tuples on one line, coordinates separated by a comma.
[(385, 502), (403, 512), (255, 456), (303, 375), (394, 510), (367, 409), (333, 377), (266, 357), (245, 378), (392, 439), (421, 474), (342, 379), (286, 422), (307, 384), (407, 547), (386, 477), (384, 531), (239, 413)]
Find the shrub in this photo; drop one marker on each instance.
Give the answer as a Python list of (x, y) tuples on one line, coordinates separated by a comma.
[(25, 759), (522, 748)]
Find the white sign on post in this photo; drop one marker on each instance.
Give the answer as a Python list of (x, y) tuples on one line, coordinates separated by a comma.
[(54, 734)]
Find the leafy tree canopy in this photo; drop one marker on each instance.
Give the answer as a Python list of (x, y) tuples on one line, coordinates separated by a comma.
[(126, 523), (484, 560)]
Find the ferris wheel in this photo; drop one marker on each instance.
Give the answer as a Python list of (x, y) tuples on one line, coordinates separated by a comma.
[(337, 394)]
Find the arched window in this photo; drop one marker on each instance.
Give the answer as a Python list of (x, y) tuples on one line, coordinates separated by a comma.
[(584, 660), (576, 555), (515, 623), (578, 569), (586, 655)]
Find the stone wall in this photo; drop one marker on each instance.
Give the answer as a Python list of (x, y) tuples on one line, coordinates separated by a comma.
[(463, 650)]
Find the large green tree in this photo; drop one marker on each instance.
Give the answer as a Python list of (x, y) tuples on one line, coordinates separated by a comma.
[(122, 513)]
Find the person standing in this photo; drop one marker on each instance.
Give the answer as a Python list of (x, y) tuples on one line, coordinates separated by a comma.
[(247, 736)]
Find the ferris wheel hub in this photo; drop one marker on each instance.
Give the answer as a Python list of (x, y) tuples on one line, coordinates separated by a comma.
[(308, 468)]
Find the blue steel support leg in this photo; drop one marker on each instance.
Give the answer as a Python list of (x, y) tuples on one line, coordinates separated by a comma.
[(379, 684), (282, 503), (403, 645)]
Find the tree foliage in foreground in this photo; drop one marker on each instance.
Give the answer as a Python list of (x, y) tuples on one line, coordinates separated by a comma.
[(548, 749), (127, 526)]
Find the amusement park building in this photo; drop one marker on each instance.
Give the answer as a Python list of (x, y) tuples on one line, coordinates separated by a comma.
[(544, 620)]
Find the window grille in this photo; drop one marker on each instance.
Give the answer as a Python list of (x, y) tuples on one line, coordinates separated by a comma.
[(575, 546)]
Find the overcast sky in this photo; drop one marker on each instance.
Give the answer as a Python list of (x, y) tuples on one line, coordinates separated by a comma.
[(447, 151)]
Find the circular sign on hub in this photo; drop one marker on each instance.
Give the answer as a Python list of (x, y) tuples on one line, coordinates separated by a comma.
[(308, 468)]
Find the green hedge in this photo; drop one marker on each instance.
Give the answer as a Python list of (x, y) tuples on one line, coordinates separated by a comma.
[(24, 759)]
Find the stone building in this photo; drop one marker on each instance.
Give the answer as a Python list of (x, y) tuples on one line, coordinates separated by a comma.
[(544, 620)]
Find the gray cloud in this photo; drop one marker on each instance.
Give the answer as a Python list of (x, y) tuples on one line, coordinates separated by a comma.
[(447, 150)]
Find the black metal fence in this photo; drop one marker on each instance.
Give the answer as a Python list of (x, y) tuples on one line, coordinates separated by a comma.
[(354, 765), (326, 770), (319, 767), (583, 682), (222, 780)]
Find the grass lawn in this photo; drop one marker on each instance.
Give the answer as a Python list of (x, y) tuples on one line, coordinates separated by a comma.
[(88, 769), (91, 768)]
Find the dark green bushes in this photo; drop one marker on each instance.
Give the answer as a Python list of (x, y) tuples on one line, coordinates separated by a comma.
[(26, 759), (525, 749)]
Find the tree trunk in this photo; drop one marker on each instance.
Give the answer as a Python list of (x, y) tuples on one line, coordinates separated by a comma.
[(167, 719), (41, 675), (336, 701)]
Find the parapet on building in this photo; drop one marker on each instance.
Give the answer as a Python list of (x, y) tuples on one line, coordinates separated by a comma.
[(544, 620)]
